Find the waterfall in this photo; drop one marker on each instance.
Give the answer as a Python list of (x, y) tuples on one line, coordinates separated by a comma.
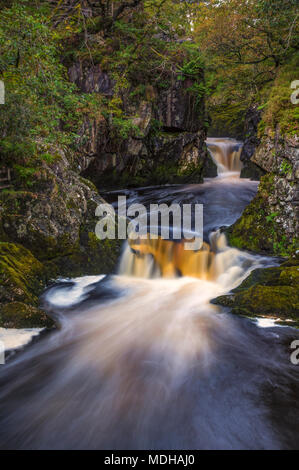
[(143, 360), (226, 154), (153, 258)]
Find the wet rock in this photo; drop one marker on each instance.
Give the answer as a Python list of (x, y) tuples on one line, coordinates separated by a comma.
[(20, 315), (269, 292)]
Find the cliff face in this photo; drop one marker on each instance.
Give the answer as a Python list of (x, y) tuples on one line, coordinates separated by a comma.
[(251, 142), (166, 140), (46, 232), (270, 222), (279, 156)]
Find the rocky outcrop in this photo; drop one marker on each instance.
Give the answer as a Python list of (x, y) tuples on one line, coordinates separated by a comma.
[(56, 220), (90, 78), (251, 142), (45, 232), (165, 142), (22, 278), (271, 292), (270, 223)]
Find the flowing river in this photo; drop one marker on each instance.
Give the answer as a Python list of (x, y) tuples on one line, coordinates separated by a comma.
[(143, 360)]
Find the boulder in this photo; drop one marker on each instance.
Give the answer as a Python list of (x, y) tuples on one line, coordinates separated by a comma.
[(270, 292)]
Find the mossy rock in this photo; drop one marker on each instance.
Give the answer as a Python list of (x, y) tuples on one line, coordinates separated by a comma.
[(274, 301), (210, 169), (93, 257), (266, 292), (22, 276), (277, 276), (256, 230), (20, 315)]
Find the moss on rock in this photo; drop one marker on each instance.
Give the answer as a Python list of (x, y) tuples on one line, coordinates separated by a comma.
[(22, 279), (92, 257), (20, 315), (257, 229), (22, 276), (266, 292)]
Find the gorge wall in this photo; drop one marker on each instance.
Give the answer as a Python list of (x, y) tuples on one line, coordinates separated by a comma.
[(165, 143), (128, 109), (270, 223)]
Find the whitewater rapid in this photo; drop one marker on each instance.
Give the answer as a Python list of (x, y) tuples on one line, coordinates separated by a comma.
[(143, 360)]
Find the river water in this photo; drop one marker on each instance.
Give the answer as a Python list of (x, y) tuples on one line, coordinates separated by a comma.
[(143, 360)]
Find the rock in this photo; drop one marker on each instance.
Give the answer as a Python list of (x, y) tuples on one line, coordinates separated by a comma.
[(20, 315), (143, 119), (165, 143), (267, 292), (251, 171), (270, 222), (163, 157), (90, 78), (22, 278), (56, 221), (47, 232), (178, 109), (210, 168), (251, 142)]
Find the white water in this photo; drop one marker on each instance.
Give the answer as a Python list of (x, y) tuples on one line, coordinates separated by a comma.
[(226, 154), (14, 339), (156, 366)]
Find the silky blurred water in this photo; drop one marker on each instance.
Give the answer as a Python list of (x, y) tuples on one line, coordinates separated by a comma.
[(143, 361)]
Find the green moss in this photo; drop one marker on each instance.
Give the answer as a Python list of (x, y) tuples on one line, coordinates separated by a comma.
[(257, 229), (22, 279), (20, 315), (272, 301), (267, 292), (279, 109), (22, 276)]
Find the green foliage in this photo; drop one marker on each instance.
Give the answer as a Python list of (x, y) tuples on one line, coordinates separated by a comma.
[(272, 216), (41, 104), (278, 108), (286, 168), (124, 127), (251, 55), (192, 68)]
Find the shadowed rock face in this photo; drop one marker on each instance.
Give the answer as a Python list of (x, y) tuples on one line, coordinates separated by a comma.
[(167, 141), (90, 79), (177, 108), (251, 142)]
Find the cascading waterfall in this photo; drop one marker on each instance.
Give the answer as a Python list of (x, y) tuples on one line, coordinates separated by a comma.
[(226, 154), (143, 360), (152, 258)]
